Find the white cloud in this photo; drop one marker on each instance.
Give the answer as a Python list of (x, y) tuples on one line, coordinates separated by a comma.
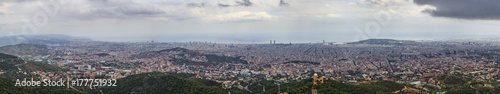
[(242, 16), (4, 8), (333, 15)]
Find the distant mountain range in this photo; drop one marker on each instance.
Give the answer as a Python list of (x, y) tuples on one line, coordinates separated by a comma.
[(386, 42), (38, 39), (25, 49)]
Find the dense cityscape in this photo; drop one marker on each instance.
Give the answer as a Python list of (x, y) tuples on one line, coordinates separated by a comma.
[(405, 62)]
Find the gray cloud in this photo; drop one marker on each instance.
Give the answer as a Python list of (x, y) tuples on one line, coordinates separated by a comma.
[(16, 1), (115, 9), (244, 3), (381, 3), (283, 3), (110, 3), (463, 9), (196, 4), (134, 10), (224, 5)]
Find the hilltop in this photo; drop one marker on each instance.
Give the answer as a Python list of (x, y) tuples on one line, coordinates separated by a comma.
[(25, 49), (386, 42), (182, 56)]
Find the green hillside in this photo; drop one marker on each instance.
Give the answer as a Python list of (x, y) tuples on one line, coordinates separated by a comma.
[(14, 67), (6, 56), (170, 83), (455, 84), (162, 83), (335, 87), (7, 62)]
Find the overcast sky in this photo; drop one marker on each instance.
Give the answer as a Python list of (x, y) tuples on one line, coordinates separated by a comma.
[(252, 21)]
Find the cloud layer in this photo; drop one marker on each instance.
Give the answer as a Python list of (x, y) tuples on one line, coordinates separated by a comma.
[(252, 20), (463, 9)]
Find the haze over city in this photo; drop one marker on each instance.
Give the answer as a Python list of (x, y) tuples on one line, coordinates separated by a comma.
[(252, 21)]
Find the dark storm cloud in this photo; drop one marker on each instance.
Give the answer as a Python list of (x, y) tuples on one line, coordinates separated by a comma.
[(283, 3), (244, 3), (464, 9)]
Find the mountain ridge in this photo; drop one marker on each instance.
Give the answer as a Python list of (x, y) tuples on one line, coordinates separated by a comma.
[(386, 42), (38, 39)]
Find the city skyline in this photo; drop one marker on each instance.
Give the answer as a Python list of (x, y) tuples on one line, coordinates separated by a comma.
[(251, 21)]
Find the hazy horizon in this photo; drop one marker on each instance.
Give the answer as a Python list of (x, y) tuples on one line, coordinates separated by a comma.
[(252, 21)]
